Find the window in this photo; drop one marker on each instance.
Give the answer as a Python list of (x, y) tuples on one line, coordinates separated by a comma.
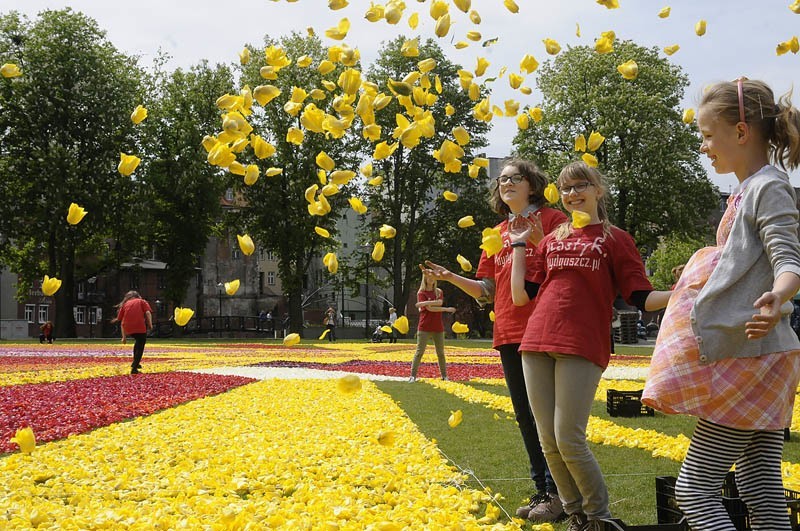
[(80, 315), (44, 313), (30, 310), (81, 291), (271, 256), (93, 315), (270, 278), (229, 194)]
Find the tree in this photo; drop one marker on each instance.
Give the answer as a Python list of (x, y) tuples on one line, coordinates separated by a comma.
[(183, 191), (276, 212), (410, 197), (671, 252), (63, 124), (649, 156)]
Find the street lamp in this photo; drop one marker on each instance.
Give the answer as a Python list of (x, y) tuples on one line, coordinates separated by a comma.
[(367, 256), (220, 286)]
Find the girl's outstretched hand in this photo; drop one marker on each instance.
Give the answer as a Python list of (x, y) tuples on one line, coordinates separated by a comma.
[(762, 323), (438, 272), (519, 230), (537, 232)]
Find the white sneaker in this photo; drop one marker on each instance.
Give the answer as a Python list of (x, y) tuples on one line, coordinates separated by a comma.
[(412, 379)]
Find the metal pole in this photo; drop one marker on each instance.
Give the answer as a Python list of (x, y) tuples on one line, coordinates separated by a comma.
[(366, 298)]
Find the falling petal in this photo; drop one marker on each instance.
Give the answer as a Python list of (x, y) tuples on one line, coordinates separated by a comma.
[(251, 174), (401, 325), (272, 172), (413, 21), (9, 70), (536, 113), (491, 241), (669, 50), (25, 439), (629, 69), (246, 244), (464, 263), (339, 31), (387, 231), (700, 28), (357, 205), (580, 219), (244, 56), (491, 315), (528, 64), (232, 287), (465, 222), (322, 232), (331, 262), (138, 114), (511, 6), (688, 116), (378, 251), (291, 340), (604, 45), (294, 136), (442, 25), (324, 334), (128, 164), (50, 286), (551, 46), (610, 4), (455, 418), (325, 162), (577, 30), (459, 328), (181, 316), (589, 159), (426, 65), (795, 7), (75, 214), (347, 385), (551, 193), (595, 141), (580, 143), (450, 196), (376, 181), (664, 13), (474, 17)]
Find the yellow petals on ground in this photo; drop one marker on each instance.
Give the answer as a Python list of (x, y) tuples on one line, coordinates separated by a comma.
[(291, 340), (688, 116), (232, 287), (25, 439), (9, 70), (387, 231), (700, 28), (491, 241), (181, 316), (347, 385), (50, 285), (322, 232), (325, 162), (580, 143), (128, 164), (246, 244), (465, 222), (455, 418), (551, 46), (589, 159), (464, 263), (331, 262), (75, 214), (595, 141), (138, 114), (551, 193), (401, 325), (629, 69), (669, 50), (386, 438), (357, 205), (664, 13), (377, 251), (450, 196), (580, 219), (792, 45)]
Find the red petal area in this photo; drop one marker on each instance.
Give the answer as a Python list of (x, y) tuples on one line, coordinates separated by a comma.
[(455, 371), (60, 409)]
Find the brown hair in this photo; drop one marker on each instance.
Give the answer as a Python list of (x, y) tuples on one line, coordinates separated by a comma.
[(535, 177), (777, 123), (580, 171)]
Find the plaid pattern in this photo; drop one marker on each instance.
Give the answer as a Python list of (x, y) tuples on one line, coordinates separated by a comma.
[(744, 393)]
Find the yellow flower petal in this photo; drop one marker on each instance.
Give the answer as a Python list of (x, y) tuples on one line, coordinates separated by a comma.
[(384, 150), (461, 135), (491, 315), (339, 31), (580, 219), (460, 328), (401, 325), (426, 65), (551, 193), (595, 141), (669, 50), (347, 385), (357, 205), (376, 181), (455, 418), (246, 244), (75, 214), (9, 70), (604, 45), (244, 56), (378, 251), (181, 316), (322, 232), (50, 285), (511, 6), (464, 263), (463, 5), (664, 13), (291, 340), (628, 69), (251, 173), (589, 159), (551, 46), (688, 116), (294, 136), (442, 25), (331, 262), (264, 94), (536, 114), (325, 162), (491, 241), (232, 287), (324, 334), (465, 222), (474, 17), (795, 7), (387, 231), (413, 21), (138, 114), (700, 28), (25, 439), (272, 172), (610, 4), (450, 196), (128, 164), (528, 64), (580, 143)]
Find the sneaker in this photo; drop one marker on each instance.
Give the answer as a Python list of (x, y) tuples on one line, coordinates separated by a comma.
[(445, 379), (576, 522), (594, 525), (536, 499), (412, 379), (550, 510), (135, 371)]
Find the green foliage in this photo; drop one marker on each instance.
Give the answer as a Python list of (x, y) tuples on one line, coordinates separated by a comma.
[(649, 156), (410, 198), (670, 253), (63, 124)]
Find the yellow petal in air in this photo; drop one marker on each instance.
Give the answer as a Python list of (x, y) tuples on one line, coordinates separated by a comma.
[(331, 262), (491, 315), (325, 162), (551, 46), (291, 340), (442, 25), (580, 143), (272, 172), (465, 222), (413, 21), (536, 114), (464, 263), (438, 8), (232, 287), (138, 114), (551, 193), (669, 50), (604, 45), (459, 328), (528, 64), (251, 174), (688, 116), (334, 5), (491, 241), (128, 164), (181, 316), (387, 231), (357, 205), (480, 69), (473, 171), (795, 7), (75, 214), (791, 45), (376, 181), (378, 251), (577, 30), (610, 4), (523, 122), (515, 80), (246, 244), (384, 150), (261, 147), (589, 159), (580, 219), (375, 12), (511, 6), (9, 70), (700, 28), (244, 56), (26, 440), (401, 325), (474, 17), (461, 135), (426, 65), (664, 13), (347, 385), (449, 110), (339, 31), (455, 418), (294, 136), (322, 232), (463, 5), (264, 94), (450, 196), (481, 162), (629, 69), (410, 47), (595, 141), (304, 61), (50, 285)]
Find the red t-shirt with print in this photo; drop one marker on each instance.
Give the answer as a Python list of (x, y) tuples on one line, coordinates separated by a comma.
[(429, 321), (509, 320), (580, 277), (131, 316)]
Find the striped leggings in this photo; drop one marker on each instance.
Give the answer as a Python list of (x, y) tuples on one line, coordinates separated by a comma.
[(712, 452)]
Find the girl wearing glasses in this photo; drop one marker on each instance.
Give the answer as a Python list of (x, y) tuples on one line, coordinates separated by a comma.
[(577, 271), (726, 352), (518, 192)]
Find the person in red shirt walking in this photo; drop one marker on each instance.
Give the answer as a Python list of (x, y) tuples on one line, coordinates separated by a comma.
[(578, 270), (519, 191), (135, 319), (429, 302)]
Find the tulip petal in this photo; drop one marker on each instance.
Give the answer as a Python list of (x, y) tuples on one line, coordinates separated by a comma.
[(580, 219), (401, 324), (75, 214), (455, 418), (246, 244), (291, 340)]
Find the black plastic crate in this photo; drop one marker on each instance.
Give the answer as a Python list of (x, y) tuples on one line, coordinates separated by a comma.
[(627, 404), (618, 525)]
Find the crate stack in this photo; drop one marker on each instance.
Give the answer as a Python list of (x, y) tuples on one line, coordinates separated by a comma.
[(626, 333), (627, 404)]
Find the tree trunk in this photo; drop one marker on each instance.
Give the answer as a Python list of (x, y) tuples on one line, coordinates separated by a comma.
[(65, 319)]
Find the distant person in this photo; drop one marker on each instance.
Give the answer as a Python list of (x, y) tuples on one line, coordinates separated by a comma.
[(431, 326), (46, 332), (135, 319), (262, 319), (330, 323), (392, 319)]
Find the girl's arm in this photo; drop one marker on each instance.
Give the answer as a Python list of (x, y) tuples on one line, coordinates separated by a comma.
[(657, 300), (473, 288), (429, 304), (783, 289), (122, 331), (442, 309), (519, 230)]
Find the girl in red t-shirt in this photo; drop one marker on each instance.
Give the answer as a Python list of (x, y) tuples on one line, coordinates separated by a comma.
[(135, 319), (518, 191), (429, 302), (578, 270)]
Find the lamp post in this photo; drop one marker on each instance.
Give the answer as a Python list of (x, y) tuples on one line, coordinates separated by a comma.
[(367, 256), (219, 296)]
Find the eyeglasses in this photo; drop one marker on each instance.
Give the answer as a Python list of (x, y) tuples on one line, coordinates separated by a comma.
[(577, 188), (515, 179)]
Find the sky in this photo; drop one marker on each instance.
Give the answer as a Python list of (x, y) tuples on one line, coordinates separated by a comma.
[(740, 39)]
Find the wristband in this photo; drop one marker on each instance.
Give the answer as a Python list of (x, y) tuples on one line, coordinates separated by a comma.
[(518, 244)]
